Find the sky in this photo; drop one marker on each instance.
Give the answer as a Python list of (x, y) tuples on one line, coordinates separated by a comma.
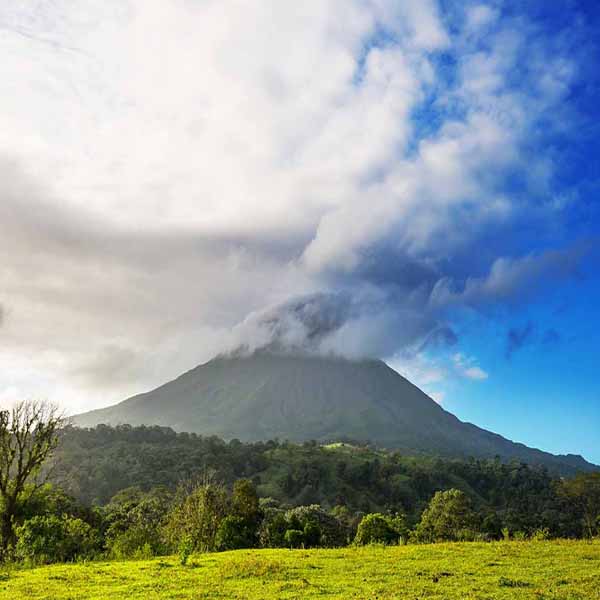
[(413, 181)]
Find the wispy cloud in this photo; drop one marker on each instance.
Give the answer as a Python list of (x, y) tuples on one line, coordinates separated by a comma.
[(467, 366)]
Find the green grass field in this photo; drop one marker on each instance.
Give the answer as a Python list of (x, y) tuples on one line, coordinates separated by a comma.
[(540, 570)]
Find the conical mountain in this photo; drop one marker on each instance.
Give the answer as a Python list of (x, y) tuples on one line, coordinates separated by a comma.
[(300, 397)]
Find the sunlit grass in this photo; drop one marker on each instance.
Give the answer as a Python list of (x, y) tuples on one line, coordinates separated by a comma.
[(536, 570)]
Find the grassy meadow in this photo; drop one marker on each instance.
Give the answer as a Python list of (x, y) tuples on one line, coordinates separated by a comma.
[(537, 570)]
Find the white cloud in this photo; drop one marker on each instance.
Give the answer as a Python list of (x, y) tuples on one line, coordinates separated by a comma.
[(466, 367), (169, 168)]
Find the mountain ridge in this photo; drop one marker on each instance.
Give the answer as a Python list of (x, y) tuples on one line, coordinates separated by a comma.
[(268, 395)]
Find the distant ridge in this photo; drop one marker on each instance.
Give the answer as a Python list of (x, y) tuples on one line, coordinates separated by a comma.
[(299, 397)]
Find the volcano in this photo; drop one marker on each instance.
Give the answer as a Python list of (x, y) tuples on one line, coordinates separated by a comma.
[(300, 397)]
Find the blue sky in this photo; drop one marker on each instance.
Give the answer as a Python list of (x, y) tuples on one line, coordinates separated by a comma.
[(543, 387), (415, 181)]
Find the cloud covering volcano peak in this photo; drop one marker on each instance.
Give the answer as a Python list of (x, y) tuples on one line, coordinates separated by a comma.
[(180, 179)]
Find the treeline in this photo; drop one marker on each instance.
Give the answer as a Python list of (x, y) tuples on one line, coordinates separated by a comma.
[(206, 516), (145, 491), (93, 465)]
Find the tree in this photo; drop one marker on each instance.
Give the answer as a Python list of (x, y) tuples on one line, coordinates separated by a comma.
[(28, 436), (197, 515), (234, 533), (378, 528), (244, 501), (448, 517), (584, 492), (134, 522), (320, 528), (45, 539)]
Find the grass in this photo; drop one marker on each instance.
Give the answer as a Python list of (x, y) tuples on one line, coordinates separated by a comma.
[(537, 570)]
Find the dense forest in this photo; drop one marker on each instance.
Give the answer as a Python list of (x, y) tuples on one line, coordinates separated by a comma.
[(93, 465)]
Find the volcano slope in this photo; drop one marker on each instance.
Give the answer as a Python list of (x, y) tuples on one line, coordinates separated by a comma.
[(301, 397)]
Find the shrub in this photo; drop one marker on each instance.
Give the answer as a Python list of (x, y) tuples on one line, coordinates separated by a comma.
[(321, 528), (448, 517), (185, 549), (271, 533), (47, 539), (135, 524), (540, 535), (235, 533), (197, 516), (294, 538), (382, 529)]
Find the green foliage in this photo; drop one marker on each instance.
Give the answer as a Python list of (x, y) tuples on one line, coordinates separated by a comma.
[(96, 464), (272, 530), (235, 533), (196, 516), (382, 529), (45, 539), (28, 437), (134, 523), (320, 528), (448, 517), (584, 492), (540, 535), (185, 549), (294, 538)]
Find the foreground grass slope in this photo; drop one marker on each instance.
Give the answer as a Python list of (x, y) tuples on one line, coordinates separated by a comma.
[(537, 570)]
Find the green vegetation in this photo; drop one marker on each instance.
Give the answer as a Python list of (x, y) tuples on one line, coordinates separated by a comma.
[(565, 570), (95, 466), (207, 513)]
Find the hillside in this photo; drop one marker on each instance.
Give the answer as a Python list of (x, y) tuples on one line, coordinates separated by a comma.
[(267, 396)]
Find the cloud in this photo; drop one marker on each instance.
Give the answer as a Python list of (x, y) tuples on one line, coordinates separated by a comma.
[(466, 367), (513, 279), (182, 178), (528, 334)]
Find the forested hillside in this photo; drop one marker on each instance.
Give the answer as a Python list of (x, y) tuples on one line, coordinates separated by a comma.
[(95, 464)]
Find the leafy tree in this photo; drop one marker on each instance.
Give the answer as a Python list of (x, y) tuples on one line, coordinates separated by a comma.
[(584, 492), (235, 533), (28, 436), (197, 515), (320, 527), (272, 530), (134, 522), (378, 528), (244, 500), (241, 530), (44, 539), (447, 517), (294, 538)]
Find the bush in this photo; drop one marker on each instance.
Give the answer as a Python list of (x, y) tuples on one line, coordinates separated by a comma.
[(235, 533), (378, 528), (294, 538), (197, 516), (47, 539), (448, 517), (321, 528), (540, 535), (271, 533), (135, 521)]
